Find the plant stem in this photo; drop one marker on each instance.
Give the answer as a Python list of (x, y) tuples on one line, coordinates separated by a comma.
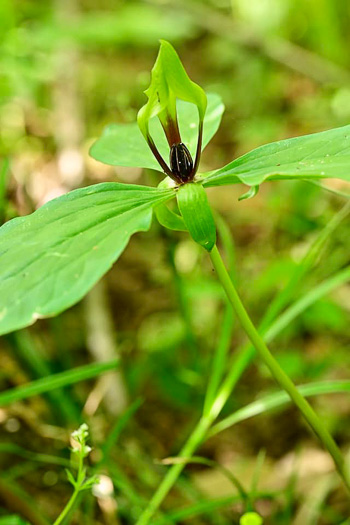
[(214, 405), (67, 508), (280, 376), (270, 326), (77, 487), (171, 476)]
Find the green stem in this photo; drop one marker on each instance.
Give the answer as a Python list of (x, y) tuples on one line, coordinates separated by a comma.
[(280, 376), (71, 502), (67, 508), (214, 405), (244, 356), (170, 478)]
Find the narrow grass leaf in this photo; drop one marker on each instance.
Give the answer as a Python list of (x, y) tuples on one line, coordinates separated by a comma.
[(288, 291), (117, 429), (205, 507), (278, 400), (13, 520), (305, 302), (47, 459), (46, 384)]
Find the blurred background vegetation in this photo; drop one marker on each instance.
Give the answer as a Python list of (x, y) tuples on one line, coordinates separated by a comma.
[(67, 69)]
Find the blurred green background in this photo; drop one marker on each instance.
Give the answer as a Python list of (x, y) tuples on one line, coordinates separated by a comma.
[(67, 69)]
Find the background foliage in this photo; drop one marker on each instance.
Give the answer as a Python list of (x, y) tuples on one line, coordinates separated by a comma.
[(67, 69)]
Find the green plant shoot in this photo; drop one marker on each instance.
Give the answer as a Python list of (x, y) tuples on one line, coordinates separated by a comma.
[(81, 482)]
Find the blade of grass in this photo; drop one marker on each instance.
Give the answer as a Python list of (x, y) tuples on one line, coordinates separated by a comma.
[(29, 351), (304, 302), (288, 291), (20, 470), (212, 464), (277, 400), (10, 448), (47, 384), (219, 358), (118, 427), (206, 507), (256, 477), (12, 520)]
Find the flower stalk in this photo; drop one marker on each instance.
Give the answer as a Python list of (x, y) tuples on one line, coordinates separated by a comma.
[(277, 372)]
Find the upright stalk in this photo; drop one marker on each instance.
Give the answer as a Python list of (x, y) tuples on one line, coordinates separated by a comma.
[(279, 375), (171, 476), (215, 404), (67, 509)]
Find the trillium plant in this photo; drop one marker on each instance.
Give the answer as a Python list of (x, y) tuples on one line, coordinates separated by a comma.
[(51, 258)]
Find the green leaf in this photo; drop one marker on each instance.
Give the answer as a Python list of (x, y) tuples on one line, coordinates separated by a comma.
[(197, 215), (169, 81), (321, 155), (50, 259), (70, 478), (249, 194), (124, 145)]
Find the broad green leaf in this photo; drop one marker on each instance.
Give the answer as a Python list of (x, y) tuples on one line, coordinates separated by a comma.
[(124, 145), (51, 258), (321, 155), (197, 215), (169, 81)]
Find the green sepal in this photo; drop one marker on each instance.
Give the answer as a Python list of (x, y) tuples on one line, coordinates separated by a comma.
[(169, 219), (250, 193), (169, 81), (124, 144), (197, 215)]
